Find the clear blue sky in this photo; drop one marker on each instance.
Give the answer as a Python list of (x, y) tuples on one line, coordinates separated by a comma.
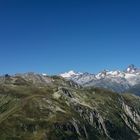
[(54, 36)]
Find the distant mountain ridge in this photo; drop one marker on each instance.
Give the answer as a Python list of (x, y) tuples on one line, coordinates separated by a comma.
[(118, 81)]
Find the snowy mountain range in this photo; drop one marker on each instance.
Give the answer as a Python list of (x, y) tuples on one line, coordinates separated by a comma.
[(118, 81)]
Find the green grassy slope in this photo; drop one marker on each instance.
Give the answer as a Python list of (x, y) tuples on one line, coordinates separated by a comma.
[(63, 110)]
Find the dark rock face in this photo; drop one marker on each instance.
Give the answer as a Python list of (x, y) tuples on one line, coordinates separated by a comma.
[(62, 110)]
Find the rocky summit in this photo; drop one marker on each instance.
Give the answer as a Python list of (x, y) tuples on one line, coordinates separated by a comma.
[(41, 107)]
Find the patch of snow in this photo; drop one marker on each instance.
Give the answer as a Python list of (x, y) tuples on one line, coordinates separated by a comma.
[(128, 69), (44, 74), (69, 74), (128, 75)]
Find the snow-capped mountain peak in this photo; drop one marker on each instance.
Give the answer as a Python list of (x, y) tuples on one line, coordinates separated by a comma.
[(70, 74), (131, 69), (44, 74), (102, 74)]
